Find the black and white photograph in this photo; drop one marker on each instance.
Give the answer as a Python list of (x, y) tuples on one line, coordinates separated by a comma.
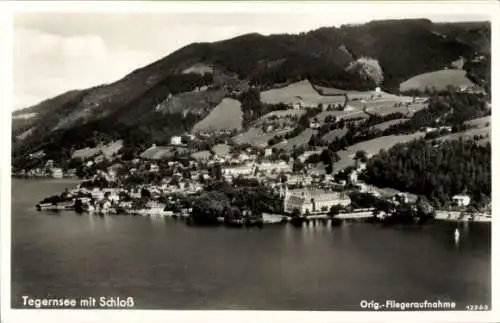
[(298, 157)]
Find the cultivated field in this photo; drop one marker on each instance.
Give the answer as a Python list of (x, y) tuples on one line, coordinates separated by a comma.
[(372, 147), (357, 95), (299, 92), (334, 134), (480, 122), (221, 150), (201, 155), (226, 115), (303, 92), (346, 114), (297, 141), (384, 125), (412, 108), (256, 137), (107, 150), (280, 114), (199, 68), (437, 79), (469, 134), (160, 152)]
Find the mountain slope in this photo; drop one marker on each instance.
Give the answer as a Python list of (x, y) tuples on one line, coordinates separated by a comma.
[(170, 95)]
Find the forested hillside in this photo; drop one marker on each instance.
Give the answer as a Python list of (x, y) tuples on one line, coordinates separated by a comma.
[(161, 99), (437, 171)]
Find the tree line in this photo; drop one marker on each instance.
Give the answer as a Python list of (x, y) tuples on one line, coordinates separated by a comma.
[(435, 170)]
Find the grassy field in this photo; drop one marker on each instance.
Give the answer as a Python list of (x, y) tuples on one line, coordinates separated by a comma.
[(371, 147), (256, 137), (300, 140), (299, 92), (346, 114), (226, 115), (480, 122), (280, 114), (201, 155), (384, 125), (199, 68), (469, 134), (438, 79), (412, 108), (221, 150), (107, 150), (354, 95), (160, 152), (303, 92), (334, 134), (481, 127)]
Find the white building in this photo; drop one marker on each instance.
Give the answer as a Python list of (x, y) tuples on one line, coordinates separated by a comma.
[(268, 167), (243, 157), (49, 163), (313, 201), (461, 200), (268, 152), (176, 140), (244, 170), (154, 168), (314, 125), (57, 173), (353, 177)]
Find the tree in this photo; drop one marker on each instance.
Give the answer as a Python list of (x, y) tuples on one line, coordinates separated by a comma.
[(334, 210), (361, 156), (295, 213), (145, 193)]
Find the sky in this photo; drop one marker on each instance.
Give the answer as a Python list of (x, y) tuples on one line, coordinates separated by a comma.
[(54, 52)]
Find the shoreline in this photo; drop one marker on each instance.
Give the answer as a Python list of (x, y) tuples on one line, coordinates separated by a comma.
[(86, 202), (267, 219)]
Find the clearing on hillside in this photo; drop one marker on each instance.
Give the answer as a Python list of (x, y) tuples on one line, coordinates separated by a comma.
[(438, 80), (199, 68), (227, 115), (107, 150), (384, 125), (283, 114), (346, 114), (372, 147), (334, 134), (256, 137), (480, 122), (354, 95), (221, 150), (201, 155), (483, 135), (302, 93), (301, 139)]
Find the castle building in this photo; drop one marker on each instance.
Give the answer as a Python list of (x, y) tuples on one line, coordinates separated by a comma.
[(309, 201)]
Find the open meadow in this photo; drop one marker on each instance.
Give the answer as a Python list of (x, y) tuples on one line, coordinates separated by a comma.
[(300, 140), (226, 115), (256, 137), (372, 147), (439, 80)]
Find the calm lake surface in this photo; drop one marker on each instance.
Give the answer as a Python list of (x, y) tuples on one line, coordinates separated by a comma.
[(163, 263)]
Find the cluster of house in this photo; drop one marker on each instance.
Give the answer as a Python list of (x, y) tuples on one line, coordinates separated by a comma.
[(48, 170)]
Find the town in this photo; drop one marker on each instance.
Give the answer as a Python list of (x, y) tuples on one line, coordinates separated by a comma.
[(174, 180)]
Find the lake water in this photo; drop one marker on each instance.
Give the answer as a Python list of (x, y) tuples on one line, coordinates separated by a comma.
[(163, 263)]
